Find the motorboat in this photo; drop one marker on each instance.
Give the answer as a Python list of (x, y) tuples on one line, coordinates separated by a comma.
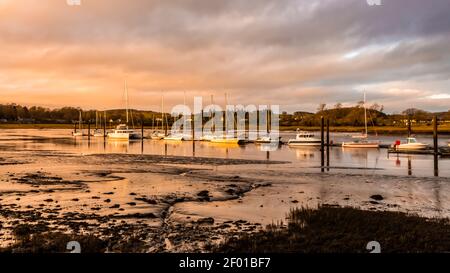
[(411, 144), (267, 139), (122, 132), (304, 139)]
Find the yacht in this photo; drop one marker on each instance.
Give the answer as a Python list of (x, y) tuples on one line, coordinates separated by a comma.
[(98, 133), (157, 135), (224, 139), (160, 134), (79, 132), (362, 141), (411, 144), (178, 137), (122, 131), (304, 139), (267, 139), (98, 120)]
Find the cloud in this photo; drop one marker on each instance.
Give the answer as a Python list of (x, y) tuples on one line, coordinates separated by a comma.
[(296, 53)]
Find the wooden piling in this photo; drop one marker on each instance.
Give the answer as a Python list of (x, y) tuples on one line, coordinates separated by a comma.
[(322, 143), (89, 130), (409, 126), (193, 133), (104, 128), (328, 143), (193, 126), (436, 146), (201, 118), (142, 130)]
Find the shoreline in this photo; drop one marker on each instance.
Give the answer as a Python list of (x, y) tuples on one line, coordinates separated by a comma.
[(381, 130)]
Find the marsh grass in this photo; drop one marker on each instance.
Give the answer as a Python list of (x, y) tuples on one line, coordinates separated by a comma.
[(345, 230), (38, 239)]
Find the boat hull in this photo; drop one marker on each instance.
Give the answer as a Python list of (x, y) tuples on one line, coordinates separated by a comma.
[(411, 147), (296, 143), (361, 145), (123, 136), (227, 141)]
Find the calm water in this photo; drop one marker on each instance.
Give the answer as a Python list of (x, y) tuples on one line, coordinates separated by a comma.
[(342, 160)]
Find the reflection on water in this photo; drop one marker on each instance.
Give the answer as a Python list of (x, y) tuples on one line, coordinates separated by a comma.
[(367, 160)]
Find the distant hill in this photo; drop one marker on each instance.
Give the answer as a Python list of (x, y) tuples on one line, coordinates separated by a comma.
[(339, 116)]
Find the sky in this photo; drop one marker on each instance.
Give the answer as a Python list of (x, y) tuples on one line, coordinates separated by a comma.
[(293, 53)]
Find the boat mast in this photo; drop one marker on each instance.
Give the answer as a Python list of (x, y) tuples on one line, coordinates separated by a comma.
[(80, 122), (96, 120), (162, 112), (213, 128), (126, 99), (226, 113), (365, 114)]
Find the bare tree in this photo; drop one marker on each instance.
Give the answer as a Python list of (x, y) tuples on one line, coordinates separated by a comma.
[(321, 107)]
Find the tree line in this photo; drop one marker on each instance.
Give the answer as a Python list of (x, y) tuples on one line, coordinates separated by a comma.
[(338, 115)]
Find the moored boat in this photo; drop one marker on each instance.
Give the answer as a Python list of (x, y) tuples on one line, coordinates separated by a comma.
[(267, 139), (157, 135), (79, 132), (411, 144), (122, 132), (304, 139), (362, 141), (228, 141)]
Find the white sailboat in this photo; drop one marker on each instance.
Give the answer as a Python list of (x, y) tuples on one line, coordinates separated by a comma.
[(209, 137), (224, 139), (159, 135), (98, 132), (362, 141), (122, 131), (268, 139), (79, 132)]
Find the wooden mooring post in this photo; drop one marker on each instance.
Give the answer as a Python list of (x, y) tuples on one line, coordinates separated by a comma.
[(193, 133), (89, 130), (436, 146), (322, 143), (328, 144), (409, 126)]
